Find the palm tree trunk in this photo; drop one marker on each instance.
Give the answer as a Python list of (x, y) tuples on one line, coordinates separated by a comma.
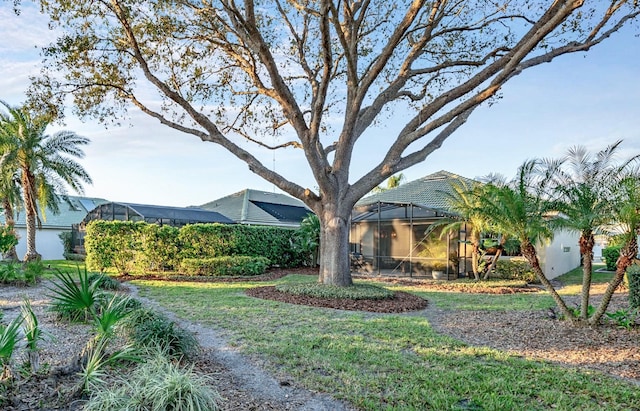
[(627, 255), (496, 257), (529, 252), (475, 255), (586, 251), (10, 223), (31, 212)]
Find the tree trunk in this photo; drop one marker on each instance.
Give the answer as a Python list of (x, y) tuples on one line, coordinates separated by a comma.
[(475, 256), (31, 212), (10, 223), (529, 252), (627, 255), (334, 249), (586, 250)]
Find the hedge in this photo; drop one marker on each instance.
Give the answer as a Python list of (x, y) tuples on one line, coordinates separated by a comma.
[(228, 265), (112, 244), (515, 269), (138, 247), (610, 255), (217, 240), (633, 276)]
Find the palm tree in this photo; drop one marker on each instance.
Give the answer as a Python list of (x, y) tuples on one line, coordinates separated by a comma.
[(10, 197), (583, 191), (392, 182), (520, 210), (626, 213), (463, 200), (45, 163)]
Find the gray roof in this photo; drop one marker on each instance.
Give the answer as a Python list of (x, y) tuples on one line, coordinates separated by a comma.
[(71, 211), (155, 214), (428, 192), (260, 207)]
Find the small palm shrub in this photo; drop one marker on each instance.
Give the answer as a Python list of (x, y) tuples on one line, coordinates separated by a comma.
[(117, 308), (74, 298), (147, 328), (158, 384), (355, 292)]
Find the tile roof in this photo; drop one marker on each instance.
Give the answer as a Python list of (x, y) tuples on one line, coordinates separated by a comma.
[(427, 191), (260, 207)]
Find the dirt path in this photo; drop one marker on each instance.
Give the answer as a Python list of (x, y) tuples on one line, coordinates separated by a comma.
[(242, 382)]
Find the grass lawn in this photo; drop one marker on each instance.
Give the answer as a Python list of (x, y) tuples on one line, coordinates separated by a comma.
[(391, 361)]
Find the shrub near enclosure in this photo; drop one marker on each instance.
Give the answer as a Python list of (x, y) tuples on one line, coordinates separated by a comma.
[(138, 247), (515, 269)]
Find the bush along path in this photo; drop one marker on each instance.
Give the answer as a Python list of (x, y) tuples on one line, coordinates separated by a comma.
[(241, 382)]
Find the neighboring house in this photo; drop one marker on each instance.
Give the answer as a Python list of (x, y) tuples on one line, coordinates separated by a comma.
[(390, 233), (48, 242), (390, 230), (260, 208)]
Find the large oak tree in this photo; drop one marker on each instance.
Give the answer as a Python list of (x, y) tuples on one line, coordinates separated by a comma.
[(320, 73)]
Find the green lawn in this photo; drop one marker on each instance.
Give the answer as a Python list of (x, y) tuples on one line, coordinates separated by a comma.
[(378, 361)]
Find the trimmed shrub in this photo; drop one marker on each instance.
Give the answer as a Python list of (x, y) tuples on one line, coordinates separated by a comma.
[(138, 247), (159, 248), (633, 276), (228, 265), (610, 255), (515, 269), (113, 244), (217, 240)]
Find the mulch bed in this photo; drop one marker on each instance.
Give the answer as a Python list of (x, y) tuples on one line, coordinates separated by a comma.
[(400, 303), (453, 287)]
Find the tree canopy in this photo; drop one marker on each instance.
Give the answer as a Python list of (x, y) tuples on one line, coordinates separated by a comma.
[(319, 74)]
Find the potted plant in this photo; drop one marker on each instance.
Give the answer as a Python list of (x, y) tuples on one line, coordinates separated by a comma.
[(439, 270)]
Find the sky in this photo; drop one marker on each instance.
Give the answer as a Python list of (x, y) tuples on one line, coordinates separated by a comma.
[(590, 99)]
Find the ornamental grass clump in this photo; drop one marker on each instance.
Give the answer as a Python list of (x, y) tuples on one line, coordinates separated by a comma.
[(354, 292), (147, 328), (157, 384)]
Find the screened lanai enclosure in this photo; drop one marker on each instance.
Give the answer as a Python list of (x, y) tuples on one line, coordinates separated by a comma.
[(395, 238), (152, 214)]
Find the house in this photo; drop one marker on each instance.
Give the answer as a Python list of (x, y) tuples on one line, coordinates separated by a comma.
[(260, 208), (48, 242), (391, 230), (392, 233)]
